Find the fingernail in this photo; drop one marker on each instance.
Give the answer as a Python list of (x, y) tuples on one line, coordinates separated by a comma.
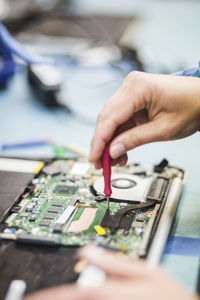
[(117, 150)]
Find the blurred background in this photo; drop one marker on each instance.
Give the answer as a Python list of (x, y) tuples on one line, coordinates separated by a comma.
[(91, 46), (164, 32)]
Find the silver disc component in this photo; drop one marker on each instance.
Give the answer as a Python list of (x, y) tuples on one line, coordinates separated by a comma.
[(125, 187), (123, 183)]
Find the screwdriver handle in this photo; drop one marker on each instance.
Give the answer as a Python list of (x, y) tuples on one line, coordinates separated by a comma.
[(107, 172)]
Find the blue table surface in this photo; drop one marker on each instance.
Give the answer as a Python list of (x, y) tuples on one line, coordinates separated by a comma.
[(87, 89)]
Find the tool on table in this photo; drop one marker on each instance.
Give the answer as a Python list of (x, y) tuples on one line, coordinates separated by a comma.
[(24, 144), (107, 174)]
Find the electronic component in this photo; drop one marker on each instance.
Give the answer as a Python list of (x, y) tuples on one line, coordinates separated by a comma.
[(57, 167), (140, 218), (23, 203), (15, 209), (84, 192), (80, 168), (73, 201), (45, 223), (54, 210), (32, 218), (34, 199), (125, 187), (114, 222), (100, 230), (36, 211), (49, 216), (84, 221), (122, 183), (66, 215), (160, 167), (139, 230), (65, 190), (126, 222), (100, 198), (138, 224), (29, 207), (51, 170), (157, 189), (58, 228), (25, 215)]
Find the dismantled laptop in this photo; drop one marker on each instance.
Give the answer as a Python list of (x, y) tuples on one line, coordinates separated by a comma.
[(61, 202)]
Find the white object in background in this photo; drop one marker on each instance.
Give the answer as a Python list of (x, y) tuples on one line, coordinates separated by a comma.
[(16, 290), (91, 277), (3, 8), (80, 168), (20, 165)]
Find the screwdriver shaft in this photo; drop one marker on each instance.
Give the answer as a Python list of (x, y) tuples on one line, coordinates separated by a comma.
[(108, 203)]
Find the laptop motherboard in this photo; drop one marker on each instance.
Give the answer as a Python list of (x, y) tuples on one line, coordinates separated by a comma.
[(64, 204)]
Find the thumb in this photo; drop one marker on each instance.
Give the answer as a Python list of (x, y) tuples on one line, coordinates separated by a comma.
[(153, 131), (112, 263)]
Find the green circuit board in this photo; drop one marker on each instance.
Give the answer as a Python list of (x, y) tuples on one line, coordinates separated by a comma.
[(61, 208)]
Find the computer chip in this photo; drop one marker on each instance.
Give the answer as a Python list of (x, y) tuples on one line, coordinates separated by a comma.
[(50, 216), (45, 223), (33, 218), (65, 190), (55, 210)]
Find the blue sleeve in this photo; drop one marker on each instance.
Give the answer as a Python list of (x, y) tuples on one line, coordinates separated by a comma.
[(192, 71)]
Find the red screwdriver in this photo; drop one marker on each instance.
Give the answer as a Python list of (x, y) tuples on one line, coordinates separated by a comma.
[(107, 174)]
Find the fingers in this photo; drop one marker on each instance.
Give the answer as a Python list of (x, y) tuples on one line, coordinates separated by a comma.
[(114, 264), (121, 161), (140, 117), (147, 108), (118, 110), (59, 292), (65, 292), (140, 135)]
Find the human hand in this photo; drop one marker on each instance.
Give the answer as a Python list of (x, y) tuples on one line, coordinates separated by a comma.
[(146, 108), (128, 278)]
